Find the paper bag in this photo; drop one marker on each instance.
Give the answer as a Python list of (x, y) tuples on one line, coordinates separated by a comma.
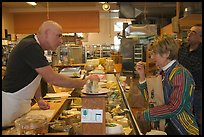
[(156, 97)]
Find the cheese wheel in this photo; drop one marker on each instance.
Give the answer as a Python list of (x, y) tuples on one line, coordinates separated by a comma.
[(114, 129)]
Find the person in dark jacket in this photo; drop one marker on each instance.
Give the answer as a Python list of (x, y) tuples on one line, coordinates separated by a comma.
[(190, 56)]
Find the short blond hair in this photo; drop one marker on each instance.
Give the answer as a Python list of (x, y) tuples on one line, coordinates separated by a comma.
[(164, 44)]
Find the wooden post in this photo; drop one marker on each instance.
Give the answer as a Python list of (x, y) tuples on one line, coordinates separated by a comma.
[(177, 15), (94, 102)]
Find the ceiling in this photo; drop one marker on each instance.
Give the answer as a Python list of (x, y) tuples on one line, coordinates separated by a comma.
[(152, 8), (164, 8), (22, 6), (149, 10), (19, 5)]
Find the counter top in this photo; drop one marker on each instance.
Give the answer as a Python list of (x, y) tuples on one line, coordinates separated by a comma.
[(56, 106), (70, 65)]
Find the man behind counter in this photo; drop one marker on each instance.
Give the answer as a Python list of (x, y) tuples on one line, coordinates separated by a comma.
[(26, 66)]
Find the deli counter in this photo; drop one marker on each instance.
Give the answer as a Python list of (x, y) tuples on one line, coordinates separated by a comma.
[(75, 112)]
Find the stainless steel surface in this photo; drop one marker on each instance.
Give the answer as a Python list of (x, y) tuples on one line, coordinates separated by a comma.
[(127, 51), (141, 29)]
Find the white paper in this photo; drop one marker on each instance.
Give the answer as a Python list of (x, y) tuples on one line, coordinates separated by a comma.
[(91, 115), (48, 113)]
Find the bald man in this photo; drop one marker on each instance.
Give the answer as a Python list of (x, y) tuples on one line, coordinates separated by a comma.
[(190, 56), (25, 68)]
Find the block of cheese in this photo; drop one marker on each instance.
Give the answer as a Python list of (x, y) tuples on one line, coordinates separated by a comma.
[(114, 129), (156, 132), (123, 122)]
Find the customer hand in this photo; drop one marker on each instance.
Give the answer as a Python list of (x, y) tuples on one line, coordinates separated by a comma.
[(142, 123), (43, 104), (140, 116), (140, 68)]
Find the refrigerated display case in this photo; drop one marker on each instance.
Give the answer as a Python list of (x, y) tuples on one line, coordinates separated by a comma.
[(67, 116), (117, 107)]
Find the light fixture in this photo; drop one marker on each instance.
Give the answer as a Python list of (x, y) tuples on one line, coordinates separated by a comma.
[(106, 6), (32, 3)]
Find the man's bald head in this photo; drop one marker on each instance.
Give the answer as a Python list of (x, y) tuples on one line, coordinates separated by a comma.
[(49, 25), (194, 36), (50, 35)]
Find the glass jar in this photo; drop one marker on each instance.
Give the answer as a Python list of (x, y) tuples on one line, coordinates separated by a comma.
[(32, 125)]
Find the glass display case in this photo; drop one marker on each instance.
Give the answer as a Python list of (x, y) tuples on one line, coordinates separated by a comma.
[(67, 119), (117, 111), (132, 120)]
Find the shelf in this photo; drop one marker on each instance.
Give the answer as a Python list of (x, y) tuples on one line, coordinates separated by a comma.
[(138, 53), (106, 51), (136, 48), (102, 50)]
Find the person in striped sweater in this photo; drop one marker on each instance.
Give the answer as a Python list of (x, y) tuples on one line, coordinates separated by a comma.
[(178, 89)]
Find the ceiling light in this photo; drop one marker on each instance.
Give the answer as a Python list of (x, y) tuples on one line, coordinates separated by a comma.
[(32, 3), (106, 6), (114, 10)]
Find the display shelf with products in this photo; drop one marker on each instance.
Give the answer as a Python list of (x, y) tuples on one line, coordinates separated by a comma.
[(97, 51), (106, 50), (138, 53), (72, 38), (102, 51), (7, 47)]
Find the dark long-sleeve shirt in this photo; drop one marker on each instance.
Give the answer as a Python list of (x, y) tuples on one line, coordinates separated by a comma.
[(192, 60)]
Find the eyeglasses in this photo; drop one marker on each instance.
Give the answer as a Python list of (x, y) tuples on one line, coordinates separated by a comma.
[(192, 32)]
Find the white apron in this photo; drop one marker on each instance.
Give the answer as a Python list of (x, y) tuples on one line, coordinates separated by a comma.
[(16, 104)]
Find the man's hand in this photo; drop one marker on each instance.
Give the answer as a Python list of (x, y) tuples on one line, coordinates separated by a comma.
[(43, 104), (93, 78)]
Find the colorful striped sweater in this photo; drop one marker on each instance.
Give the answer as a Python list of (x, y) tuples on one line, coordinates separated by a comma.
[(178, 88)]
